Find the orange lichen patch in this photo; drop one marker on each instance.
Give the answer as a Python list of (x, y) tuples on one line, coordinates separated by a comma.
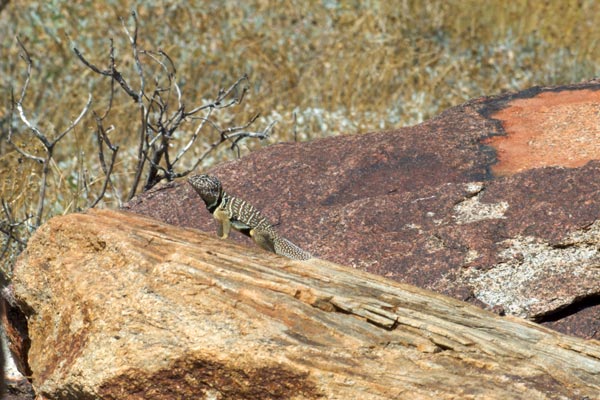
[(550, 129)]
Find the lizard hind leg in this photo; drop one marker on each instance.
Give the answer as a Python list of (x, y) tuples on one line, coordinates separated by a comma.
[(263, 239)]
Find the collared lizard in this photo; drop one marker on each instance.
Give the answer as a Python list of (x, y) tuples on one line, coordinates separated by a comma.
[(231, 212)]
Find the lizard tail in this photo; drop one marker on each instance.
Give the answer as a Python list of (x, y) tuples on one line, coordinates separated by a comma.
[(285, 248)]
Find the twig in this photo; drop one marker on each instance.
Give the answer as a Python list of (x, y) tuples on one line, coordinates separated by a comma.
[(163, 113), (75, 122), (112, 72), (141, 158), (25, 56), (102, 137), (223, 95), (11, 224), (8, 229), (194, 136), (136, 57), (22, 152), (47, 143), (295, 126), (236, 136)]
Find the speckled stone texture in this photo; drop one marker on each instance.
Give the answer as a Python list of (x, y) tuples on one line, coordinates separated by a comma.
[(475, 203), (120, 306)]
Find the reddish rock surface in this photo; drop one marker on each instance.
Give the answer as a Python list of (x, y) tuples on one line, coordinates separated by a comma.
[(551, 129), (496, 201)]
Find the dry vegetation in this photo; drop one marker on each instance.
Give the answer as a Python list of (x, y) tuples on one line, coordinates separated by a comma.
[(317, 68)]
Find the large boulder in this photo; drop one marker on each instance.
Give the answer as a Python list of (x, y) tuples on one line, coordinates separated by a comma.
[(120, 306), (496, 201)]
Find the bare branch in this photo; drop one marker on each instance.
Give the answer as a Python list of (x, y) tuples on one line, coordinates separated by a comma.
[(194, 136), (22, 152), (102, 137), (164, 136), (231, 135), (112, 72), (223, 95), (209, 150), (239, 128), (264, 134), (136, 57), (141, 157), (160, 120), (74, 123), (295, 127), (48, 144), (5, 249), (152, 55), (42, 194), (32, 127), (11, 230), (15, 231), (25, 55), (112, 83), (8, 227), (170, 71), (10, 133), (165, 55)]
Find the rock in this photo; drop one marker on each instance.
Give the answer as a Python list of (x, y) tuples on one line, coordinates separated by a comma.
[(121, 306), (496, 202), (2, 361), (13, 384)]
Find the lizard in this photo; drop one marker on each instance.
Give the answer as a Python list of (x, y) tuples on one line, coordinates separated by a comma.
[(232, 212)]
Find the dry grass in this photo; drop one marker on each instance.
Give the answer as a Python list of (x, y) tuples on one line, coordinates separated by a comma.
[(339, 68)]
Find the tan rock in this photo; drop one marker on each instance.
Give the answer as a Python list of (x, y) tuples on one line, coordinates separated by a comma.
[(120, 306)]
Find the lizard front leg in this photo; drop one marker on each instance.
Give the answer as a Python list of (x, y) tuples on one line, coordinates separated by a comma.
[(224, 224), (263, 239)]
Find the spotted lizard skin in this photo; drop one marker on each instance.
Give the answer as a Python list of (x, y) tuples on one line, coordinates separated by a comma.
[(232, 212)]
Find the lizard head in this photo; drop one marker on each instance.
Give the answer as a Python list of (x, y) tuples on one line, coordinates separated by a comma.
[(209, 188)]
